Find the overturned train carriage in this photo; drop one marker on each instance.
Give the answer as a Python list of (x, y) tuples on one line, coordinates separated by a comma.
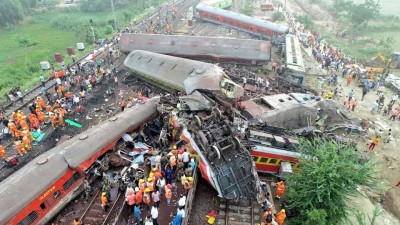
[(218, 49), (39, 190), (224, 162), (178, 74)]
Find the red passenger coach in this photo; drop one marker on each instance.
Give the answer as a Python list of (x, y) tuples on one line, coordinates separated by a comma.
[(39, 190), (239, 21), (270, 150)]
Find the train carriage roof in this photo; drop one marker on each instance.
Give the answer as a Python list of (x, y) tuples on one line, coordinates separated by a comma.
[(18, 190), (241, 17), (178, 73), (219, 47), (86, 144)]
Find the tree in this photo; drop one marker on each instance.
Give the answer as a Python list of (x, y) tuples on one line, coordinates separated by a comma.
[(11, 12), (361, 14), (330, 173), (278, 16)]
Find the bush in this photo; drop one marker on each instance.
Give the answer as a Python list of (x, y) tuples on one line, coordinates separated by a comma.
[(306, 20), (109, 30), (278, 16)]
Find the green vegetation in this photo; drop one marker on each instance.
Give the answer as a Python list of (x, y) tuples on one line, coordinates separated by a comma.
[(47, 31), (330, 173), (248, 8), (305, 19), (278, 16)]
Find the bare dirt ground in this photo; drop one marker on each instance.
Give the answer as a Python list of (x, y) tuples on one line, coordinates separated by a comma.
[(386, 157)]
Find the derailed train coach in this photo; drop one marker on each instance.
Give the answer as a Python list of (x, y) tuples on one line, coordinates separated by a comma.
[(217, 49), (258, 28), (38, 191), (182, 75)]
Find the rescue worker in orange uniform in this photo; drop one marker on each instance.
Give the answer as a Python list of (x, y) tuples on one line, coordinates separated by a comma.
[(31, 117), (25, 132), (150, 184), (12, 127), (280, 189), (61, 120), (22, 122), (35, 123), (268, 217), (53, 120), (146, 197), (42, 117), (138, 196), (168, 193), (104, 201), (122, 104), (18, 134), (172, 161), (60, 90), (3, 153), (280, 217), (20, 148), (40, 102), (14, 116), (49, 108), (141, 185), (27, 142)]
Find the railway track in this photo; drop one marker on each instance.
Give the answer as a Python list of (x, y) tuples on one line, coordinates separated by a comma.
[(94, 213), (241, 212)]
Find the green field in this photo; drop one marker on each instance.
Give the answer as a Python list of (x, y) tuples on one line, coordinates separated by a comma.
[(38, 37), (388, 7)]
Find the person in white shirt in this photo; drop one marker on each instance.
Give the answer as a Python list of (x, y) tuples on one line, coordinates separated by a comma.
[(181, 210), (244, 81), (154, 214), (186, 159), (182, 201)]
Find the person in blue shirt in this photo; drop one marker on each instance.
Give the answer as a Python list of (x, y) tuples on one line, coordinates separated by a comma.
[(137, 213), (168, 174), (177, 220), (192, 164)]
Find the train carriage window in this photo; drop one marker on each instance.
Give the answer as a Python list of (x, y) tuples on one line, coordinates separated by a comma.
[(71, 181), (56, 194), (263, 160), (29, 219), (255, 158), (274, 161)]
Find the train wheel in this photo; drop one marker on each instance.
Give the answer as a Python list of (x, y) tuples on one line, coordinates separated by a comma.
[(236, 142), (217, 113), (216, 151), (198, 121)]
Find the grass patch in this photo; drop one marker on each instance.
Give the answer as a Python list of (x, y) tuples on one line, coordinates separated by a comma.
[(38, 37)]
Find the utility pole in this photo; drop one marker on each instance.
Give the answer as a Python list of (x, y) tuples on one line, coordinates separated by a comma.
[(91, 27), (115, 21)]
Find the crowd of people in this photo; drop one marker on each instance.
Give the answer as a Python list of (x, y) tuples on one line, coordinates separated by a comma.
[(73, 84), (169, 175)]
